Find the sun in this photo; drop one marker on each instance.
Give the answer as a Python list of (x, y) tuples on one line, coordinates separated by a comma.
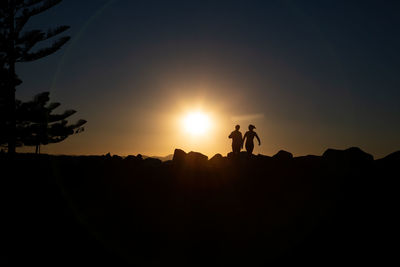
[(196, 123)]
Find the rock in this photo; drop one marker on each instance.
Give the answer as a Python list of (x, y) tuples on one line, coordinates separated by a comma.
[(350, 154), (168, 162), (139, 156), (230, 155), (132, 159), (241, 155), (196, 157), (179, 156), (153, 161), (116, 157), (283, 155), (244, 155), (395, 156), (308, 157), (263, 157), (191, 158), (216, 159)]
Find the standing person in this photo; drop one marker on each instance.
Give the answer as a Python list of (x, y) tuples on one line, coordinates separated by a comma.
[(249, 136), (237, 141)]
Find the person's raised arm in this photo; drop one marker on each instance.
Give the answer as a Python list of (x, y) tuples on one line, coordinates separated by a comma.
[(230, 136), (259, 142)]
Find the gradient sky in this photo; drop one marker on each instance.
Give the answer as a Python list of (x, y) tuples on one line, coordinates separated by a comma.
[(310, 75)]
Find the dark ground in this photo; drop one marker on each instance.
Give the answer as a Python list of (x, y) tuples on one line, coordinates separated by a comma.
[(337, 208)]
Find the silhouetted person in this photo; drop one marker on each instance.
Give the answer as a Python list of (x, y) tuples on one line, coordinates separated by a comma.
[(249, 136), (237, 141)]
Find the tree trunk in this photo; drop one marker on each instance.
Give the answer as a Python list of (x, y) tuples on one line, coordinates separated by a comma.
[(12, 131), (11, 82)]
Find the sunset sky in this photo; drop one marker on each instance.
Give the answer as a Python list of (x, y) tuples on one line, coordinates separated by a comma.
[(310, 75)]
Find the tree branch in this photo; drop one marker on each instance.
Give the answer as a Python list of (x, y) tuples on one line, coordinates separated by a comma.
[(27, 12), (45, 51)]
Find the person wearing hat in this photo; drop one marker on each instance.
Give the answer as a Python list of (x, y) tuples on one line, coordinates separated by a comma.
[(249, 136), (237, 141)]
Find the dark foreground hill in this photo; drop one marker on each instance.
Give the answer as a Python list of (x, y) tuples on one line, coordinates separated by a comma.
[(335, 208)]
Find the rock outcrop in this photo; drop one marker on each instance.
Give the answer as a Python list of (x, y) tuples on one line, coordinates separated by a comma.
[(217, 158), (224, 210), (395, 156), (192, 158), (179, 156), (350, 154), (283, 155)]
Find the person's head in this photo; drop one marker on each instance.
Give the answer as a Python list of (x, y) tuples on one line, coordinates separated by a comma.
[(237, 127), (251, 127)]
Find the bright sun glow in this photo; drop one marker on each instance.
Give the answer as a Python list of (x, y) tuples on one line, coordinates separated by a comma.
[(196, 123)]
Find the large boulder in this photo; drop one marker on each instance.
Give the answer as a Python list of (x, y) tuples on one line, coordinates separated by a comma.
[(350, 154), (283, 155), (395, 156), (217, 159), (196, 158), (191, 158), (179, 156)]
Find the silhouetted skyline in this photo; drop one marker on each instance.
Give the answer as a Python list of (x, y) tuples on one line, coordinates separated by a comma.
[(308, 75)]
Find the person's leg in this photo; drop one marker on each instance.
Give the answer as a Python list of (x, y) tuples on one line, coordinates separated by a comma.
[(236, 148), (249, 148)]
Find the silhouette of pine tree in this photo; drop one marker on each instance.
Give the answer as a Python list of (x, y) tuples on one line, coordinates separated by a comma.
[(37, 125), (17, 45)]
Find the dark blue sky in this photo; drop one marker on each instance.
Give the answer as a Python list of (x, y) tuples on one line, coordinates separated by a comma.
[(309, 74)]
